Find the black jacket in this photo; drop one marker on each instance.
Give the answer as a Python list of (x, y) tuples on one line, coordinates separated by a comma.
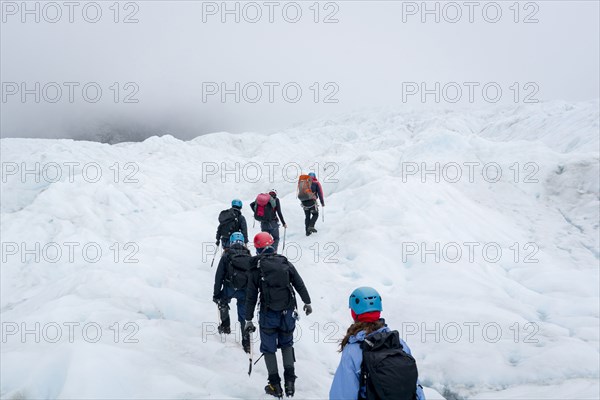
[(278, 212), (242, 228), (253, 288), (221, 273)]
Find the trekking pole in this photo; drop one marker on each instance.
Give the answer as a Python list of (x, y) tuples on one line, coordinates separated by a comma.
[(323, 215), (258, 359), (284, 231), (214, 256)]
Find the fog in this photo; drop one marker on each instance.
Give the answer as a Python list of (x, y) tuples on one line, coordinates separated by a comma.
[(124, 71)]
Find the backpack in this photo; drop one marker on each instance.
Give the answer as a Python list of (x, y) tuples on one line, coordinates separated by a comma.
[(304, 189), (276, 288), (263, 207), (387, 371), (237, 268), (228, 223)]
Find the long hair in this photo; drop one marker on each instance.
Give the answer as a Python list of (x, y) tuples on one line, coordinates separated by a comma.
[(356, 327)]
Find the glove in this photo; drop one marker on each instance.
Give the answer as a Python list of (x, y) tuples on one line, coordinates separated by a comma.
[(285, 226), (249, 327), (307, 309), (216, 300), (218, 242)]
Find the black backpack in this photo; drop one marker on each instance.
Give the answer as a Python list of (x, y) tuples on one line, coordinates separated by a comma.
[(238, 267), (229, 222), (387, 371), (276, 288)]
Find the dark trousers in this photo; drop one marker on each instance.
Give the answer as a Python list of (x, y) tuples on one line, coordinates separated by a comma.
[(276, 330), (311, 215), (271, 227), (227, 294)]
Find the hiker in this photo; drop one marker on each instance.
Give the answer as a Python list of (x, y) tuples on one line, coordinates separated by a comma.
[(309, 191), (267, 210), (275, 278), (369, 343), (231, 221), (230, 282)]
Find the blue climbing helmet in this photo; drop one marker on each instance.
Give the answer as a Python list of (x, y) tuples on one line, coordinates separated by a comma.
[(365, 299), (236, 203), (312, 175), (236, 237)]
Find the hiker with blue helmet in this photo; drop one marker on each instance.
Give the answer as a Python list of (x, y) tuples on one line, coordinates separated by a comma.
[(231, 280), (273, 277), (376, 363), (230, 221), (309, 191)]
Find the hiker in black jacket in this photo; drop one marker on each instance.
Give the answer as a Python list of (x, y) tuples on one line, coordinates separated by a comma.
[(230, 282), (230, 221), (275, 278), (271, 225)]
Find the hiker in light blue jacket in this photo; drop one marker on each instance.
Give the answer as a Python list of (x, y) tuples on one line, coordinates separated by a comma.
[(348, 384)]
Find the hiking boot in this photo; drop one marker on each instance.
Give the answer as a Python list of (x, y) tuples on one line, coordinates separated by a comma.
[(274, 389), (312, 230), (289, 388), (308, 232), (226, 329), (290, 380), (225, 322)]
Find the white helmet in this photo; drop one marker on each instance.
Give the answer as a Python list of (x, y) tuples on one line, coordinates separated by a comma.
[(273, 191)]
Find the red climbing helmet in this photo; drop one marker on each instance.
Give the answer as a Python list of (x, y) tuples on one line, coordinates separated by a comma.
[(262, 240)]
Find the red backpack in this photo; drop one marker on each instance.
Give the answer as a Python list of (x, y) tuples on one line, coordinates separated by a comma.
[(263, 207)]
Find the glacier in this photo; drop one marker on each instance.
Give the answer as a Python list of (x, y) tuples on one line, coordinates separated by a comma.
[(480, 228)]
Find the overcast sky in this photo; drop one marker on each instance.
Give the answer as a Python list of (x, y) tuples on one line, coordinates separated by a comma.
[(167, 71)]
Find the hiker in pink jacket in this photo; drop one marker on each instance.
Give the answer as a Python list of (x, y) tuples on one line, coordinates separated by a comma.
[(311, 207)]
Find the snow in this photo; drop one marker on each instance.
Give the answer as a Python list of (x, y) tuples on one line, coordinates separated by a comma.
[(479, 328)]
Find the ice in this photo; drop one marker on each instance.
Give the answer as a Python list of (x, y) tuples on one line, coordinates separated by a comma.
[(156, 317)]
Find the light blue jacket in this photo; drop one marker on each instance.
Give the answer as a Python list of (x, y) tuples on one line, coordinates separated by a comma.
[(346, 381)]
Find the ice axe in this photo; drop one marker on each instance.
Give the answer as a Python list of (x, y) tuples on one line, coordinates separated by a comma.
[(250, 359), (251, 354), (214, 256), (284, 232)]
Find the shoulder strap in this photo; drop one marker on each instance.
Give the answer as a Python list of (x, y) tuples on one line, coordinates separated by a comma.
[(290, 286), (362, 379), (261, 283)]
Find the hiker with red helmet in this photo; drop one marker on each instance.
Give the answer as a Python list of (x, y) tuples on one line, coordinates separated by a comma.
[(309, 191), (376, 363), (267, 210), (274, 278)]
